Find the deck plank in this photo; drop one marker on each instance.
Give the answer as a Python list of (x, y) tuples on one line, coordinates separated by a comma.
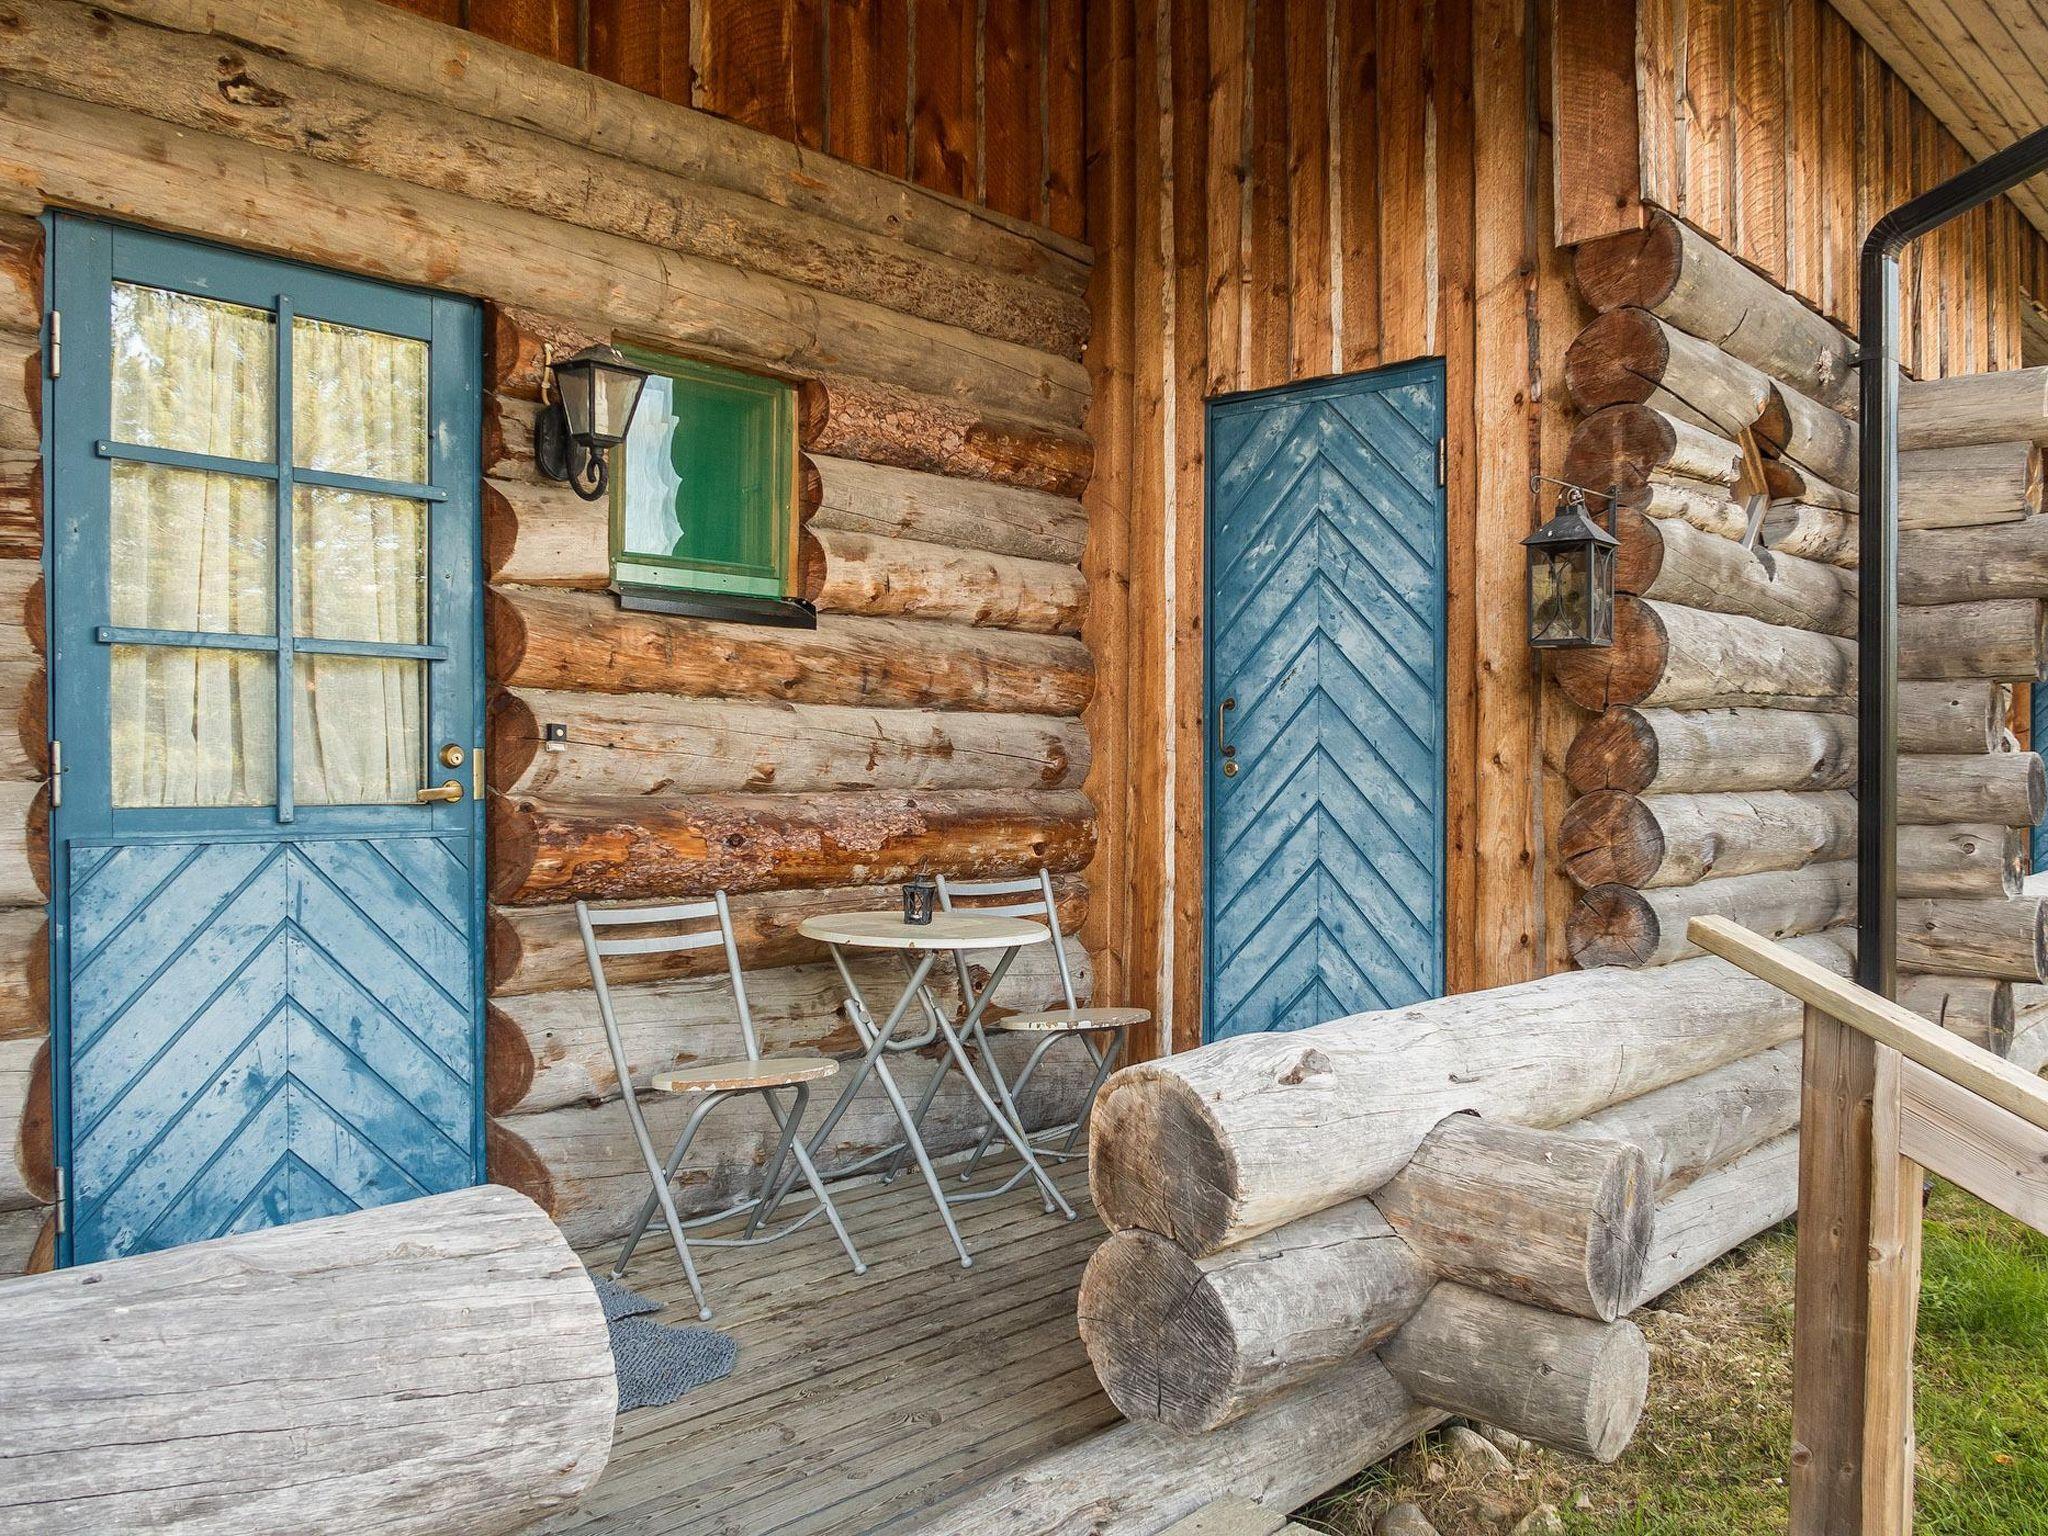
[(861, 1401)]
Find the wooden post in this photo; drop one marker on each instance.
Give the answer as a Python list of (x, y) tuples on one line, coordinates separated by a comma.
[(1894, 1300), (1831, 1300), (1856, 1293)]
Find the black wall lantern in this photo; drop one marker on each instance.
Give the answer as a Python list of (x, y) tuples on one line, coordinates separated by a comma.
[(594, 395), (1571, 577)]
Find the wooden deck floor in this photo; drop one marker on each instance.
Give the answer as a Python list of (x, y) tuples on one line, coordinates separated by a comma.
[(862, 1404)]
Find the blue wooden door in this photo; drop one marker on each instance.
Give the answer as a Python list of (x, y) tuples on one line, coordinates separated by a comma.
[(1325, 700), (264, 647)]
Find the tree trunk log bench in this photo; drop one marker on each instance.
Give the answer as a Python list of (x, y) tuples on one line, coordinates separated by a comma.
[(439, 1367)]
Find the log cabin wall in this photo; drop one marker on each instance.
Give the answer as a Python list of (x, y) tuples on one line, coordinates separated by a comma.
[(929, 721), (979, 99), (1280, 191)]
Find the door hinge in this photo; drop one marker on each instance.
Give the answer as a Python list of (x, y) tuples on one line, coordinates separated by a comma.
[(56, 773), (62, 1222), (56, 342), (1443, 453)]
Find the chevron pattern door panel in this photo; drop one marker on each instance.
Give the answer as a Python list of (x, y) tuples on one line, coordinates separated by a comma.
[(1325, 820), (265, 1032)]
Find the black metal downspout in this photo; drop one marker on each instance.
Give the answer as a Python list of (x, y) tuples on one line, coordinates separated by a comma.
[(1877, 735)]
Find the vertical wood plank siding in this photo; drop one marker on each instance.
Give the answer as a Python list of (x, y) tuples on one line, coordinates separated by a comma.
[(977, 98), (1318, 188), (1773, 128)]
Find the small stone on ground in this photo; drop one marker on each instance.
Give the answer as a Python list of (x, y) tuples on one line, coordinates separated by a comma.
[(1540, 1521), (1513, 1445), (1405, 1520), (1473, 1452)]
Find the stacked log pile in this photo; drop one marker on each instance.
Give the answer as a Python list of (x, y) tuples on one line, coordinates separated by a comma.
[(28, 1180), (1501, 1178), (931, 720)]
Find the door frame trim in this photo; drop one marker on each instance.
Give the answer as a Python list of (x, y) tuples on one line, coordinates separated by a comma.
[(454, 325)]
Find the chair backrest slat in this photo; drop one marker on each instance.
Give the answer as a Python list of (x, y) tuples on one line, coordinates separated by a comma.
[(589, 919), (1044, 905)]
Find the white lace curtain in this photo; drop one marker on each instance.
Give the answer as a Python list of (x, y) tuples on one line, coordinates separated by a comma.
[(191, 550)]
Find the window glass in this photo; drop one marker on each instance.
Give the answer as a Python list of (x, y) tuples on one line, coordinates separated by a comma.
[(192, 374), (358, 730), (190, 550), (359, 401), (193, 727), (359, 566), (702, 488)]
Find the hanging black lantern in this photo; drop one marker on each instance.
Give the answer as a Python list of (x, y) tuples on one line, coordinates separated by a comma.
[(593, 399), (1571, 578)]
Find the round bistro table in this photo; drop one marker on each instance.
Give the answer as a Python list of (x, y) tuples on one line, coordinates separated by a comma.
[(921, 944)]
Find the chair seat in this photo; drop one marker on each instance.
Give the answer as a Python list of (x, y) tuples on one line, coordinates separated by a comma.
[(725, 1076), (1055, 1021)]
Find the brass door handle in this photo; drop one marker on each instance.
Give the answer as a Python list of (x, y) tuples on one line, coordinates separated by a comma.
[(451, 792), (1223, 747)]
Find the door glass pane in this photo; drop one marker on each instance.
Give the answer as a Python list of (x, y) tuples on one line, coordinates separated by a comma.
[(359, 565), (193, 727), (359, 401), (358, 730), (193, 374), (190, 550)]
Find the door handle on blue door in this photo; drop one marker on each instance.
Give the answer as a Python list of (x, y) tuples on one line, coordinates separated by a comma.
[(1223, 747), (450, 791)]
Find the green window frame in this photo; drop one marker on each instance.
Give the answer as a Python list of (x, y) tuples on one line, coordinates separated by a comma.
[(703, 497)]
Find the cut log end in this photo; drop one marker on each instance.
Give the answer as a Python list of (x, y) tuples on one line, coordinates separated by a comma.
[(1611, 925), (1158, 1338), (1602, 677), (1617, 750), (1145, 1121), (1638, 268), (1610, 838)]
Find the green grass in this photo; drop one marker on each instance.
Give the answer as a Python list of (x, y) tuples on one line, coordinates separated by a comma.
[(1709, 1456)]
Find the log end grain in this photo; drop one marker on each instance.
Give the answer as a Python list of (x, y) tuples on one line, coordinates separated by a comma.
[(1610, 838), (509, 1066), (1617, 750), (1611, 925), (1146, 1120), (514, 736), (511, 1162), (1603, 677), (1156, 1335), (1637, 268), (1617, 360)]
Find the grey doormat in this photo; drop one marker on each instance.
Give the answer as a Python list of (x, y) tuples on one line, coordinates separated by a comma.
[(657, 1364)]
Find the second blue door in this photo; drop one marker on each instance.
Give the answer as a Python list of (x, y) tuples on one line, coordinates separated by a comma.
[(264, 652), (1325, 698)]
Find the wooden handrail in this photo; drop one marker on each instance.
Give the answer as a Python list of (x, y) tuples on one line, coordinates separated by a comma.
[(1940, 1052), (1883, 1094)]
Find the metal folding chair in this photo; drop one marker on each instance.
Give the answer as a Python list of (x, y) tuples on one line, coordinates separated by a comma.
[(711, 1083), (1100, 1031)]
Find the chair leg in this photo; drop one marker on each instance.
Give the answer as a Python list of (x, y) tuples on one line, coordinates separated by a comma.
[(787, 1125), (803, 1160), (666, 1197), (988, 1131), (1106, 1065)]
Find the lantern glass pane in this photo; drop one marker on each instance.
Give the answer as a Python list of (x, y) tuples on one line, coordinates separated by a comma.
[(616, 389), (573, 388), (1558, 597)]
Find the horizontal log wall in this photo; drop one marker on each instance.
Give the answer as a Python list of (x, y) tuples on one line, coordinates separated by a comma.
[(1715, 778), (930, 722)]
